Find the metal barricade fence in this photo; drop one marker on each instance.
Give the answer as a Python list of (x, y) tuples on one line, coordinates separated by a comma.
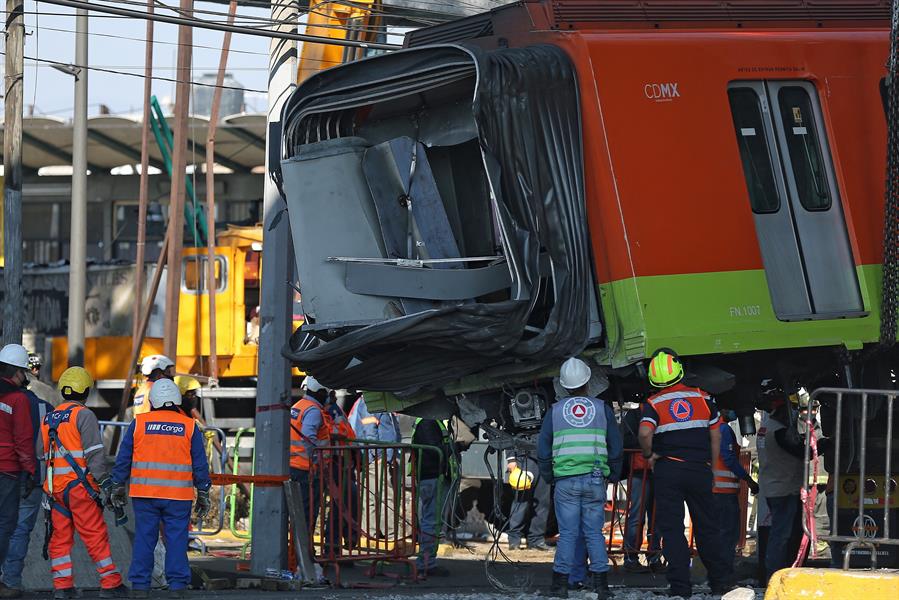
[(233, 495), (363, 503), (636, 494), (221, 463), (875, 491)]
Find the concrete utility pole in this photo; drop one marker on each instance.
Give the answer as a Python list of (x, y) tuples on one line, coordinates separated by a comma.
[(273, 389), (179, 164), (12, 174), (78, 230)]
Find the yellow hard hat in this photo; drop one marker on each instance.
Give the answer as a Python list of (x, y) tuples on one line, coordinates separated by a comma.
[(521, 480), (186, 383), (665, 368), (75, 380)]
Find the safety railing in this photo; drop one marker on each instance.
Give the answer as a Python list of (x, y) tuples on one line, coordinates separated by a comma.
[(221, 465), (871, 492), (363, 504)]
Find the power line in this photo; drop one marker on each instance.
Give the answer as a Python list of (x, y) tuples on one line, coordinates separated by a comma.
[(204, 24), (156, 78)]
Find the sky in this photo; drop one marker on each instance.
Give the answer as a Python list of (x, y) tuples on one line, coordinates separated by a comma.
[(50, 35)]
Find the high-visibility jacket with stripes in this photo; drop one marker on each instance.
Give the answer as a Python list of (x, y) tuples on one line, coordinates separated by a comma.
[(447, 446), (64, 420), (725, 480), (299, 456), (579, 437), (681, 417), (161, 465)]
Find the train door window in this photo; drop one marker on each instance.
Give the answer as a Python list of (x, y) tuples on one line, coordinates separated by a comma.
[(746, 108), (802, 237), (193, 274), (804, 146)]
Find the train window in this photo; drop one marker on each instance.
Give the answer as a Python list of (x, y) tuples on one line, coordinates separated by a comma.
[(193, 278), (746, 109), (804, 148)]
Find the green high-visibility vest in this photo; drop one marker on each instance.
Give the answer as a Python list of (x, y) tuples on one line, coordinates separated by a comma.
[(447, 446), (579, 437)]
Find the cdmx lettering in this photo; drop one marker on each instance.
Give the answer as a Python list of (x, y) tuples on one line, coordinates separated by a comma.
[(661, 91)]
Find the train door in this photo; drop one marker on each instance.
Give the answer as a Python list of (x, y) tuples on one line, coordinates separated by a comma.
[(796, 206)]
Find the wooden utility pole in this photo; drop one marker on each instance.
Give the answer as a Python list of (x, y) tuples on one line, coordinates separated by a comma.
[(12, 174), (210, 196), (179, 165)]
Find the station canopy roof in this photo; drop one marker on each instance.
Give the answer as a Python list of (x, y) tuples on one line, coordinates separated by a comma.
[(114, 141)]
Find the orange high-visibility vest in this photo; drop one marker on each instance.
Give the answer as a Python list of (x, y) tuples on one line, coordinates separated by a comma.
[(725, 480), (161, 466), (65, 420), (142, 398), (298, 456)]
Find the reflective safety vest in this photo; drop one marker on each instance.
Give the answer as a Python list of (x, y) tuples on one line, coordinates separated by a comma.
[(299, 458), (725, 480), (161, 466), (142, 398), (579, 437), (64, 422), (447, 447)]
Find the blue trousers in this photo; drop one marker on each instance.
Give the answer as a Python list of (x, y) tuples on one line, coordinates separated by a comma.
[(537, 497), (785, 527), (728, 508), (18, 544), (676, 484), (174, 517), (429, 503), (639, 519), (580, 510), (10, 492), (578, 573)]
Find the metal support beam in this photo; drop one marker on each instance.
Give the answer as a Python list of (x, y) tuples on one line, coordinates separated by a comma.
[(121, 148), (273, 389), (250, 138), (78, 227), (56, 151)]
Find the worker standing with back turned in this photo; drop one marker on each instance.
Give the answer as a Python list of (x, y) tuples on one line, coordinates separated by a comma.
[(162, 454), (76, 473), (679, 436), (579, 448)]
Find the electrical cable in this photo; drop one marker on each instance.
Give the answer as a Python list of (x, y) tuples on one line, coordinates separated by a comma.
[(204, 24), (141, 76)]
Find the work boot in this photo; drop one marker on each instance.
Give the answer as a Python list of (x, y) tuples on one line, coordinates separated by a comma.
[(140, 594), (7, 592), (601, 586), (559, 586), (514, 544), (178, 594), (539, 546), (65, 594), (120, 591)]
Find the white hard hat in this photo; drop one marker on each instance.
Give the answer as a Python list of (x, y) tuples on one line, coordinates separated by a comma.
[(311, 384), (574, 374), (155, 361), (165, 391), (14, 355)]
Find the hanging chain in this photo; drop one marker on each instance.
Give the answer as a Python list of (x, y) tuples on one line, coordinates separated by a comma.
[(890, 292)]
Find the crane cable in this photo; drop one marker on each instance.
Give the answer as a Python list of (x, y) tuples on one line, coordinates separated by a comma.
[(890, 290)]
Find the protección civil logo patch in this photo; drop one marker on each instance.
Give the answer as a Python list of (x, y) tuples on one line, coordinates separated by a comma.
[(680, 410), (578, 412)]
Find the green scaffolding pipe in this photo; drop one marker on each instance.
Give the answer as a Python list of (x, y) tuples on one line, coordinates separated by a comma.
[(165, 140)]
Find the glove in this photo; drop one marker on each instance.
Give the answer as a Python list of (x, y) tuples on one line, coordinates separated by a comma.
[(753, 486), (28, 485), (203, 504), (106, 484), (117, 497)]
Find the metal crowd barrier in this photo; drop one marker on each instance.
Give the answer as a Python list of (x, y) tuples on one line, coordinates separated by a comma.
[(367, 501), (621, 502), (234, 495), (864, 527), (199, 532)]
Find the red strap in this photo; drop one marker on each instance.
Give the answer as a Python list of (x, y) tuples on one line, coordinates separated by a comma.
[(808, 501)]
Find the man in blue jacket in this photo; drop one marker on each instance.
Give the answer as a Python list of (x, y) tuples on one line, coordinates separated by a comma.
[(580, 449)]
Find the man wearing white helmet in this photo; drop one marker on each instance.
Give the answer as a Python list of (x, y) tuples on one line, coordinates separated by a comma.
[(153, 368), (17, 462), (162, 454), (310, 426), (579, 448)]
